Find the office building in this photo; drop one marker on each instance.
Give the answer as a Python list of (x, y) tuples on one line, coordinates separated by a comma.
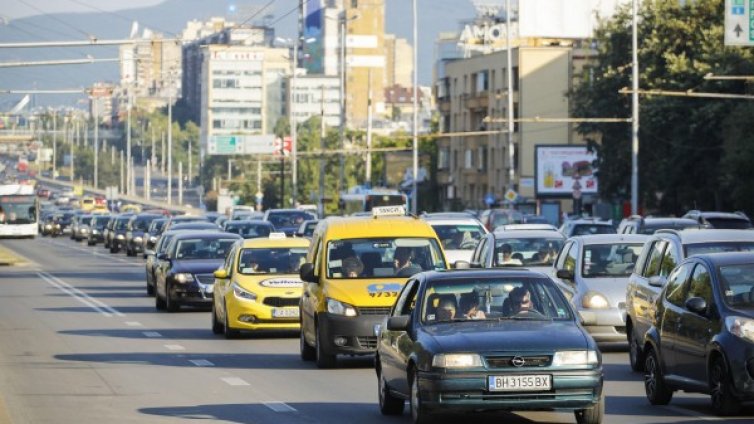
[(316, 95)]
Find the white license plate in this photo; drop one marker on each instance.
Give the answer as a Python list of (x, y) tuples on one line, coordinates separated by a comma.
[(285, 313), (519, 383), (209, 289)]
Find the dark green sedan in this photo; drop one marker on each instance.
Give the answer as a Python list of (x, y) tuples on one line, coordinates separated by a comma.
[(485, 340)]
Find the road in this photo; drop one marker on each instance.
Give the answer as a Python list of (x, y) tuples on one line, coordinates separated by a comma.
[(82, 343)]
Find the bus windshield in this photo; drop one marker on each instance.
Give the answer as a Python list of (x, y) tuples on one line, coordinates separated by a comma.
[(18, 209)]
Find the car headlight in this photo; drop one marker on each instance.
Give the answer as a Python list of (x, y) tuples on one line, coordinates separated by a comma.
[(740, 327), (120, 237), (48, 226), (95, 231), (594, 300), (456, 360), (183, 278), (575, 357), (137, 239), (153, 239), (340, 308), (243, 294)]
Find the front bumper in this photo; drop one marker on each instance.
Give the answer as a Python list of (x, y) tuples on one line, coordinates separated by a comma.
[(740, 357), (357, 331), (461, 392), (252, 315), (191, 293), (605, 325)]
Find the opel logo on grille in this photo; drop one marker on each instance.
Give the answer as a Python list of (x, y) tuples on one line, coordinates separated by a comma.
[(518, 361)]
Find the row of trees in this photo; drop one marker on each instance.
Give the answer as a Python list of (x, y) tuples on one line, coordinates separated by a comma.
[(695, 153)]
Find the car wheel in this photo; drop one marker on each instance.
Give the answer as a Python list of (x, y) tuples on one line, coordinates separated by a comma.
[(150, 289), (89, 243), (322, 358), (229, 332), (635, 355), (419, 413), (114, 248), (721, 392), (657, 391), (159, 303), (170, 304), (130, 252), (591, 415), (389, 404), (217, 327), (308, 353)]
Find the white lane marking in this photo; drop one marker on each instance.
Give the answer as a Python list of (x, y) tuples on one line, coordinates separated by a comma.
[(74, 295), (279, 406), (78, 293), (151, 334), (201, 362), (234, 381), (92, 251), (133, 324), (683, 411), (174, 347)]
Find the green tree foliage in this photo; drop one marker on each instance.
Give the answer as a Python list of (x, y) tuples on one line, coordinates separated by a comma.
[(694, 153)]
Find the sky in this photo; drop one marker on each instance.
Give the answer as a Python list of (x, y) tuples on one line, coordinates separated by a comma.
[(14, 9)]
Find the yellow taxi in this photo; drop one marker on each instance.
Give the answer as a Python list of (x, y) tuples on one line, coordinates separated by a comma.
[(354, 270), (258, 287), (130, 208), (88, 203)]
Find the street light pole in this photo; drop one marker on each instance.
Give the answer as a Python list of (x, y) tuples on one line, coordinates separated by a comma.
[(128, 142), (634, 111), (54, 142), (294, 135), (414, 189), (170, 149), (96, 144), (509, 82), (342, 172)]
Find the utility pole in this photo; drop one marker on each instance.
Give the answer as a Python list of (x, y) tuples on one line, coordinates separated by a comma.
[(189, 162), (368, 179), (294, 125), (162, 154), (414, 189), (96, 144), (152, 155), (509, 82), (342, 175), (148, 179), (170, 149), (54, 143), (128, 141), (321, 205), (122, 174), (180, 183), (634, 110), (73, 155)]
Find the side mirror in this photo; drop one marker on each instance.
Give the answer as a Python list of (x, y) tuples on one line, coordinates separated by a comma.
[(162, 256), (697, 305), (461, 265), (221, 274), (399, 323), (657, 281), (306, 272), (564, 274)]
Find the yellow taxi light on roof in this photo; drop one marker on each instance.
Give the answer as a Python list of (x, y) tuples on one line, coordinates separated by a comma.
[(388, 211), (277, 236)]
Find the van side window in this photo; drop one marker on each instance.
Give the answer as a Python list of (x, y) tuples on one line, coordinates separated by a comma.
[(562, 255), (571, 257), (669, 260), (654, 262)]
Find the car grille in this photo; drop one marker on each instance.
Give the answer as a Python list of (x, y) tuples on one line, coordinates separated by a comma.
[(206, 278), (280, 302), (367, 342), (375, 311), (529, 361), (621, 329)]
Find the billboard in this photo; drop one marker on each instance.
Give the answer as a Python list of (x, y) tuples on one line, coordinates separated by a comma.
[(564, 171), (314, 52), (563, 18)]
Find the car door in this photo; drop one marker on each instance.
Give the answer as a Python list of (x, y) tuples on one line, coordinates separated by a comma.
[(162, 269), (311, 291), (672, 308), (694, 331), (642, 295), (396, 346), (223, 285)]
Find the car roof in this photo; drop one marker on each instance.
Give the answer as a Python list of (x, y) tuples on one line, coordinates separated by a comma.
[(611, 238), (195, 225), (727, 258), (693, 236), (262, 242), (447, 215), (475, 273), (467, 220), (380, 226), (589, 221), (501, 235), (669, 220), (718, 214), (205, 234), (240, 222)]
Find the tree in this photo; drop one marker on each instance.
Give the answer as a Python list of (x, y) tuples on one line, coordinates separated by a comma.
[(682, 139)]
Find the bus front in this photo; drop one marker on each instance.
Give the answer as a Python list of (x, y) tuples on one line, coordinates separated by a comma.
[(18, 216)]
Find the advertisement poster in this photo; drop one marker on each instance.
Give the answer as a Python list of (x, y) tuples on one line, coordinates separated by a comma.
[(565, 171), (313, 54)]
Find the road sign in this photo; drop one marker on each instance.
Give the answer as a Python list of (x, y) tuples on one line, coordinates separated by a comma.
[(511, 196), (241, 144), (739, 23), (224, 145), (489, 199)]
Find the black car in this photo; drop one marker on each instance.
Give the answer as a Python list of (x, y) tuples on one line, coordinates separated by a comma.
[(703, 336), (194, 225), (153, 263), (97, 229), (287, 220), (153, 233), (306, 229), (459, 341), (65, 222), (183, 219), (135, 231), (107, 233), (249, 229), (185, 275), (118, 233)]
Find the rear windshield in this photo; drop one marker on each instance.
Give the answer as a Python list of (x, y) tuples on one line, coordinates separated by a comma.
[(610, 260), (537, 251), (587, 229), (652, 228), (503, 218), (249, 230), (719, 247), (288, 219), (459, 236), (729, 223)]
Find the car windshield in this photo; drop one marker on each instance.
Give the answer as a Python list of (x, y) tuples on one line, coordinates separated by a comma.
[(528, 251), (729, 223), (249, 230), (100, 221), (719, 247), (587, 229), (459, 236), (503, 218), (282, 260), (288, 219), (157, 225), (382, 257), (609, 260), (309, 228), (121, 223), (493, 299), (202, 248), (737, 285), (142, 223), (86, 220)]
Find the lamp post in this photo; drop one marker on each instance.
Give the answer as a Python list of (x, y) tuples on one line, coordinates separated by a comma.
[(415, 176), (509, 82), (634, 110)]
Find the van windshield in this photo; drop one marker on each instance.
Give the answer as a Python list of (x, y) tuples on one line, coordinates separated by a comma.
[(382, 257)]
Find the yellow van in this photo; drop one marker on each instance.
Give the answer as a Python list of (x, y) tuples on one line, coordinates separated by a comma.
[(355, 268), (88, 203), (258, 287)]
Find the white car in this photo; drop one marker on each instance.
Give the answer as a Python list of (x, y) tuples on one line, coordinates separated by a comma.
[(533, 249), (459, 235)]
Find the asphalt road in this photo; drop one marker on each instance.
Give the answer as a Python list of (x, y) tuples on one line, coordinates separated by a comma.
[(80, 342)]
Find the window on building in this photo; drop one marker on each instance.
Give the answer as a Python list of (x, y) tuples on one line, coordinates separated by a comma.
[(469, 159), (455, 159), (515, 78), (442, 158), (482, 81), (482, 161)]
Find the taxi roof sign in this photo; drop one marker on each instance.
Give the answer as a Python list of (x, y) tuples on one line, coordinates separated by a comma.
[(277, 236), (388, 211)]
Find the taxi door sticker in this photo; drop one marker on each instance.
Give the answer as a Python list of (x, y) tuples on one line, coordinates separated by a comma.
[(384, 290)]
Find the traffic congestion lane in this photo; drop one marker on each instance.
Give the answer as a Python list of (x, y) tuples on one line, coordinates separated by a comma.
[(84, 343)]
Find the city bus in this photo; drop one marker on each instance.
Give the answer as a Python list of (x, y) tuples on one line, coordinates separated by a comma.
[(18, 211), (360, 200)]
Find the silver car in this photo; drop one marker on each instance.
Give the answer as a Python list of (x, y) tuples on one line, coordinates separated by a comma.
[(593, 273)]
